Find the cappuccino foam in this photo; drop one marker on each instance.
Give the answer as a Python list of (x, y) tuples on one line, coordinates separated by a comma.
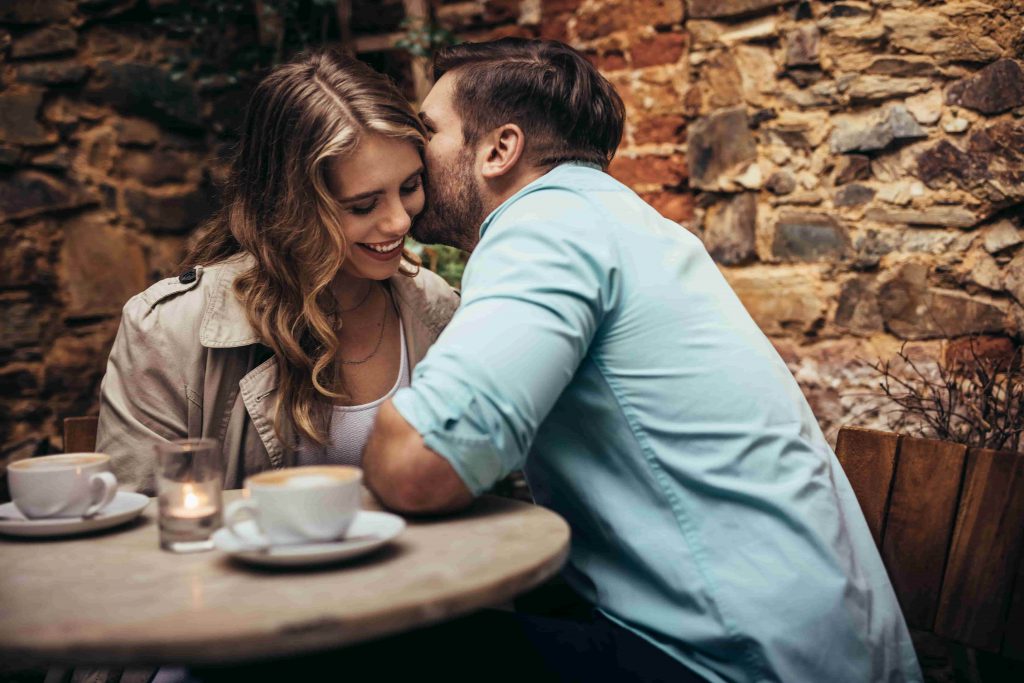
[(306, 477), (59, 462)]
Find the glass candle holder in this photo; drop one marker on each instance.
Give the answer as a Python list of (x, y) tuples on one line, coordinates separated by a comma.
[(188, 483)]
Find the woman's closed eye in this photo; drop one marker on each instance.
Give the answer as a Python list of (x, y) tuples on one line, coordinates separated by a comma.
[(364, 209), (367, 207), (412, 185)]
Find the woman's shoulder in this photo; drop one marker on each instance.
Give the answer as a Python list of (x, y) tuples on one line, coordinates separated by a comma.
[(182, 304), (428, 295)]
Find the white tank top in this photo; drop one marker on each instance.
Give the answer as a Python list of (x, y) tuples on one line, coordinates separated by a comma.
[(350, 425)]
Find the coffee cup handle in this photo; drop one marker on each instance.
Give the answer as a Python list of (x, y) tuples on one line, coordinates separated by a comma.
[(238, 511), (104, 486)]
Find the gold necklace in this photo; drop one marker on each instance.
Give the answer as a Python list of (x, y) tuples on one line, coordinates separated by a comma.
[(369, 288), (383, 324)]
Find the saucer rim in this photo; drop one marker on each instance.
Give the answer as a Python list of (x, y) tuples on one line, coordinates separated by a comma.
[(303, 553), (67, 526)]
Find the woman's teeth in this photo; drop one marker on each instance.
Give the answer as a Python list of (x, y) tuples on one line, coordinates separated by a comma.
[(384, 248)]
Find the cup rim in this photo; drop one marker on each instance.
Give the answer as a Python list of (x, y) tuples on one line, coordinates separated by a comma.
[(253, 481), (27, 464)]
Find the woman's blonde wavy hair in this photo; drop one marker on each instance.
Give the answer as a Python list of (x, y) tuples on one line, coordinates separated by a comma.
[(278, 207)]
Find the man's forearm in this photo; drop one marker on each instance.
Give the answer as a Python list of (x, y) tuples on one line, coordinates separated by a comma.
[(404, 474)]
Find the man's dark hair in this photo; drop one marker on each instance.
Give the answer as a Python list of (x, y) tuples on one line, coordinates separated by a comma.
[(567, 110)]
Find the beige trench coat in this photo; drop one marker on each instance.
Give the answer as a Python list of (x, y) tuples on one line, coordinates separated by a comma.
[(186, 363)]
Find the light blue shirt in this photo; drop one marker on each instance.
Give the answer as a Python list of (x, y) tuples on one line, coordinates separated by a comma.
[(599, 348)]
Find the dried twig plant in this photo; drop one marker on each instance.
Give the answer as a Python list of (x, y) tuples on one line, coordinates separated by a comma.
[(976, 399)]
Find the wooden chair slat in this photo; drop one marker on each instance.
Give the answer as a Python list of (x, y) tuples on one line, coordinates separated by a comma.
[(80, 434), (919, 524), (869, 458), (986, 547), (1013, 640)]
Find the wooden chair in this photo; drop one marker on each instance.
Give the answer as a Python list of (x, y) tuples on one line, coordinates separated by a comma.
[(80, 434), (949, 523)]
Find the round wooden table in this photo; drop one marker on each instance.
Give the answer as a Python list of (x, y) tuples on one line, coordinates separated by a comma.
[(115, 598)]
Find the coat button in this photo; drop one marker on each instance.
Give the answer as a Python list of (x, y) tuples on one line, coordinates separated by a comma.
[(189, 276)]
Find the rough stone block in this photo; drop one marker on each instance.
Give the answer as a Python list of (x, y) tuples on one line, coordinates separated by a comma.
[(710, 9), (659, 48), (853, 195), (991, 167), (932, 33), (64, 72), (809, 237), (20, 322), (948, 216), (147, 90), (858, 309), (875, 130), (719, 144), (781, 303), (914, 310), (1002, 235), (1014, 281), (19, 122), (997, 88), (132, 131), (154, 168), (802, 46), (92, 251), (729, 229), (50, 40), (35, 11), (675, 206), (669, 128), (26, 256), (616, 15), (868, 88), (926, 108), (902, 66), (781, 182), (649, 169), (175, 212), (27, 193), (852, 167)]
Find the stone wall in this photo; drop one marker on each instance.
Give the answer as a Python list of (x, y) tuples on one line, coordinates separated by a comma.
[(855, 167), (109, 138)]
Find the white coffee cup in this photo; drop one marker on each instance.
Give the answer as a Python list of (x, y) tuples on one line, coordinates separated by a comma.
[(298, 505), (68, 485)]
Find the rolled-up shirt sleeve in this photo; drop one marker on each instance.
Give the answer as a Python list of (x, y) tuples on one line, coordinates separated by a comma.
[(534, 295)]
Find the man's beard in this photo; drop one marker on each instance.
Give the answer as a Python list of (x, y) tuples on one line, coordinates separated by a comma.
[(454, 208)]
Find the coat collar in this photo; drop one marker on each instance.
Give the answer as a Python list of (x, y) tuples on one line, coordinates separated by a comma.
[(225, 323)]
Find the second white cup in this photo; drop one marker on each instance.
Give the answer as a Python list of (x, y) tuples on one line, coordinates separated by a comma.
[(298, 505), (68, 485)]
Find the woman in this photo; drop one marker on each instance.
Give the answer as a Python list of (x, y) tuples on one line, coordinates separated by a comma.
[(303, 311)]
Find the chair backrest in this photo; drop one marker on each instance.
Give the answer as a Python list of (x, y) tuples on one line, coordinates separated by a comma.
[(80, 434), (949, 523)]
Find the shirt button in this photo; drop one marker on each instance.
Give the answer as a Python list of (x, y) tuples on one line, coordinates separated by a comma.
[(188, 276)]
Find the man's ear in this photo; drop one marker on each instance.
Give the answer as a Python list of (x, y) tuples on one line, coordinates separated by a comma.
[(502, 150)]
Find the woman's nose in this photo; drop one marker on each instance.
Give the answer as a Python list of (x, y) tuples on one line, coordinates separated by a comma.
[(398, 219)]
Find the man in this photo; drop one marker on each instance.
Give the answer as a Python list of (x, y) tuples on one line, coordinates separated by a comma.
[(599, 348)]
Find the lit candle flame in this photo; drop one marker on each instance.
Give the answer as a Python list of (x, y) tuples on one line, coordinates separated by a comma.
[(191, 499)]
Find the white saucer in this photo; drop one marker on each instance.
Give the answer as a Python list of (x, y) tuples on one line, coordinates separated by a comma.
[(125, 507), (369, 531)]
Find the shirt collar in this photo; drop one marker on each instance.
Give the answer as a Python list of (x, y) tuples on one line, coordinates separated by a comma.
[(530, 187)]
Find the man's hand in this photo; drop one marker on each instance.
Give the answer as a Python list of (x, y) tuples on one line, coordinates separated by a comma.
[(404, 474)]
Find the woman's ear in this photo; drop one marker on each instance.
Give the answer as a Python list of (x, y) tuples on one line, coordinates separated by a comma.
[(502, 150)]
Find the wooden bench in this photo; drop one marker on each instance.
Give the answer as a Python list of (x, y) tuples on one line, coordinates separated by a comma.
[(949, 523)]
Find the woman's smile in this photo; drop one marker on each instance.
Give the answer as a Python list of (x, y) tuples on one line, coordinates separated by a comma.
[(383, 251)]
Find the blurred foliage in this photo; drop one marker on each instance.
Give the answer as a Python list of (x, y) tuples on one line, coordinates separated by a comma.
[(448, 262), (422, 37)]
